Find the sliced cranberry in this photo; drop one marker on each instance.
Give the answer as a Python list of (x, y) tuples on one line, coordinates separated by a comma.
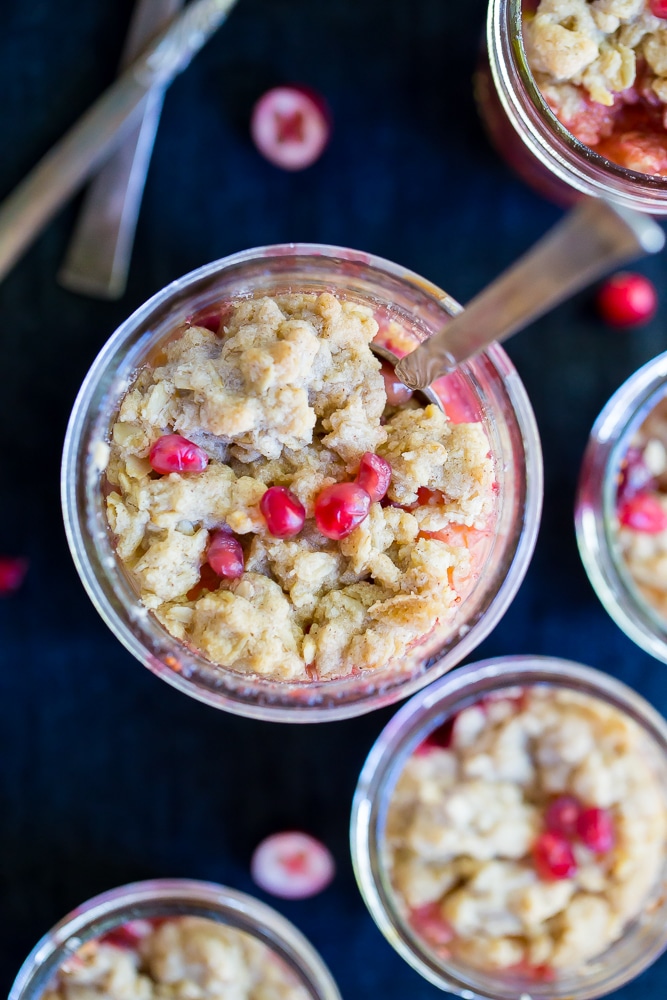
[(397, 393), (627, 299), (340, 508), (292, 865), (225, 555), (596, 829), (128, 935), (634, 475), (562, 815), (643, 512), (12, 573), (658, 8), (290, 126), (283, 512), (374, 475), (173, 453), (553, 857)]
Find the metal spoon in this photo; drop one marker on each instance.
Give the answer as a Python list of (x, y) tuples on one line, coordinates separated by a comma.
[(592, 239)]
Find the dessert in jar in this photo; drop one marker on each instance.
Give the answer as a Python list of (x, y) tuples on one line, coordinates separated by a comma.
[(509, 831), (272, 524), (281, 506)]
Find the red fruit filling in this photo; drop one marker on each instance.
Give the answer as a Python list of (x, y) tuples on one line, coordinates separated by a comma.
[(634, 475), (643, 512), (553, 857), (627, 300), (225, 555), (658, 8), (429, 922), (173, 453), (596, 829), (440, 738), (128, 935), (374, 475), (340, 508), (292, 865), (397, 393), (290, 127), (12, 573), (562, 815), (283, 512)]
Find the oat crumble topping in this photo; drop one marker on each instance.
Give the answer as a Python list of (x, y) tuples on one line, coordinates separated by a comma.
[(291, 395)]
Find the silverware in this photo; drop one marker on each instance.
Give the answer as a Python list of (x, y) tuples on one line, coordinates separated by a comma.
[(98, 256), (65, 167), (592, 239)]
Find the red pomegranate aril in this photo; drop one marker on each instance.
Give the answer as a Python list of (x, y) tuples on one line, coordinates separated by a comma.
[(290, 126), (12, 573), (128, 935), (562, 815), (283, 512), (643, 512), (225, 555), (553, 857), (397, 393), (658, 8), (627, 299), (374, 475), (596, 829), (292, 865), (174, 453), (340, 508)]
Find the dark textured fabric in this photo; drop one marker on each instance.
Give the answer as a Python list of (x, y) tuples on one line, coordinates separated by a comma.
[(106, 774)]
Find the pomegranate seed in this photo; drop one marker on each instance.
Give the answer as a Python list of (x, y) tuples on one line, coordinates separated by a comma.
[(340, 508), (627, 299), (12, 573), (553, 857), (397, 393), (225, 555), (290, 126), (173, 453), (562, 815), (292, 865), (596, 830), (634, 476), (374, 475), (658, 8), (643, 512), (128, 935), (283, 512)]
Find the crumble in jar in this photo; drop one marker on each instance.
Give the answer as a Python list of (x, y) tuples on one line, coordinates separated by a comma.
[(313, 527), (601, 66), (642, 509), (185, 957), (527, 832)]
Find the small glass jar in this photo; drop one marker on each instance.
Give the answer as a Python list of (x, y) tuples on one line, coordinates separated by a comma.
[(160, 898), (489, 380), (595, 515), (530, 137), (643, 940)]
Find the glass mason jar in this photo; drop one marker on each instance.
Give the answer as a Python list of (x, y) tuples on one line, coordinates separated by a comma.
[(643, 940), (530, 137), (489, 382), (173, 898), (595, 514)]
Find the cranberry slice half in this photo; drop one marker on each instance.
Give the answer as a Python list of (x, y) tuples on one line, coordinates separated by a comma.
[(292, 865), (174, 453), (283, 512), (340, 508), (290, 127)]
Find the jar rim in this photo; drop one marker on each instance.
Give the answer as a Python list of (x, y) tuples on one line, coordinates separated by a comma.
[(98, 914), (385, 762), (258, 698)]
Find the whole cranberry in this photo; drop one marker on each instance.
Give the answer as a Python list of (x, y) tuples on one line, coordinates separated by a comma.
[(627, 299), (225, 555), (374, 475), (553, 857), (283, 512), (340, 508), (174, 453)]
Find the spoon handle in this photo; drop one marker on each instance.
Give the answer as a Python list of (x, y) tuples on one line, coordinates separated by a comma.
[(593, 238)]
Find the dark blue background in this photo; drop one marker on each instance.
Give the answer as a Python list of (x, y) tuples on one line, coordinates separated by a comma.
[(106, 774)]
